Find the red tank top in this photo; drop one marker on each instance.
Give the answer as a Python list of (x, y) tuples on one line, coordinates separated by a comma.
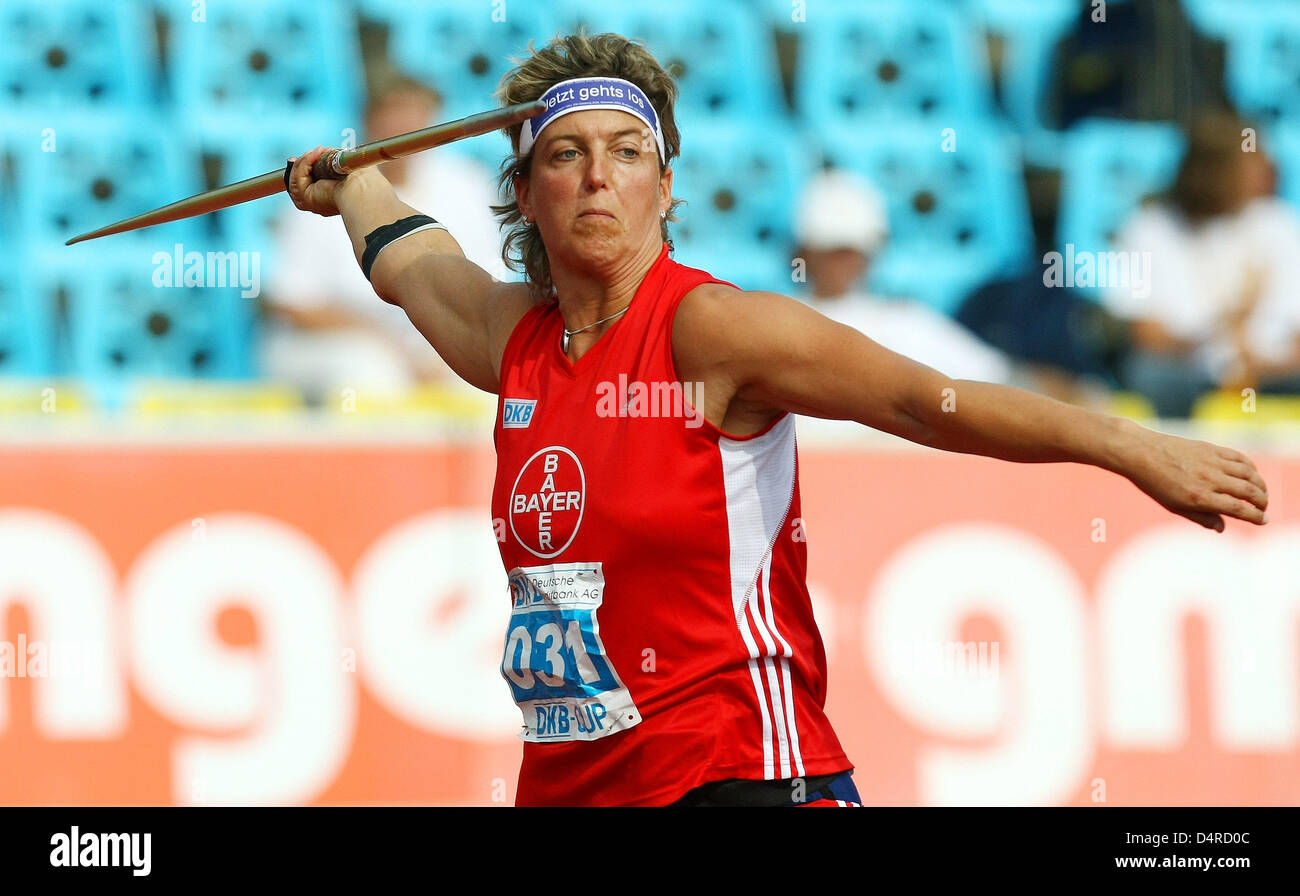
[(661, 634)]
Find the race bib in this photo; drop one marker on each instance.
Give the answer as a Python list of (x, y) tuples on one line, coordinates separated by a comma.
[(554, 660)]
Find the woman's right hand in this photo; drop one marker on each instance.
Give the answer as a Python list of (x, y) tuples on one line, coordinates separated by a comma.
[(309, 194)]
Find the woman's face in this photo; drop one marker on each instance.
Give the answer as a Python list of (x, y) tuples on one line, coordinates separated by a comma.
[(595, 190)]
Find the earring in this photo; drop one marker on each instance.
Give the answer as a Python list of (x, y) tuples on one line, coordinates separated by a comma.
[(663, 216)]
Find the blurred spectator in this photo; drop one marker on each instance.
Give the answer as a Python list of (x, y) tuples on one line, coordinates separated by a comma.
[(327, 329), (1063, 342), (841, 224), (1222, 307), (1144, 62)]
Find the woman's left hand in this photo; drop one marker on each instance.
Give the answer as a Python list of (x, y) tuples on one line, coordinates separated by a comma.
[(1198, 480)]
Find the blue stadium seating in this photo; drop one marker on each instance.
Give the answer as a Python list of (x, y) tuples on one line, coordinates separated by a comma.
[(1217, 17), (1264, 60), (788, 16), (92, 169), (1282, 143), (27, 333), (122, 325), (877, 58), (722, 58), (740, 180), (230, 158), (1029, 31), (956, 218), (13, 132), (76, 53), (254, 61), (461, 51), (1108, 167)]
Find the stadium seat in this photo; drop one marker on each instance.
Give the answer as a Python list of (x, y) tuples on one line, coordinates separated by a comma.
[(723, 59), (1107, 169), (956, 218), (784, 15), (122, 325), (27, 329), (1263, 62), (461, 52), (76, 53), (95, 168), (746, 266), (740, 181), (1028, 31), (13, 133), (1282, 143), (878, 58), (227, 158), (264, 60), (1215, 17)]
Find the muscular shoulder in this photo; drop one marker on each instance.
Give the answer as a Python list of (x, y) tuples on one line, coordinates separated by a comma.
[(722, 327), (700, 319), (720, 335)]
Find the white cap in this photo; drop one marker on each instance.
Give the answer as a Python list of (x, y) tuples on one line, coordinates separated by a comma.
[(840, 210)]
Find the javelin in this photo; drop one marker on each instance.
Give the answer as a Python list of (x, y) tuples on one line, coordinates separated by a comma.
[(331, 165)]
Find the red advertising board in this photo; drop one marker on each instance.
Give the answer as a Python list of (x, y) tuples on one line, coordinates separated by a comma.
[(320, 622)]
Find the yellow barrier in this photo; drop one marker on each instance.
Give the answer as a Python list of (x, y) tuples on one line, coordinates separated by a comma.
[(1246, 407), (168, 398), (23, 396)]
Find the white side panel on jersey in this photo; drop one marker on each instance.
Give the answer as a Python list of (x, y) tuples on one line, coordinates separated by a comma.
[(758, 475)]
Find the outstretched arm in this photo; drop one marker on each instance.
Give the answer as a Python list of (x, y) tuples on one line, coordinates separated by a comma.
[(774, 352)]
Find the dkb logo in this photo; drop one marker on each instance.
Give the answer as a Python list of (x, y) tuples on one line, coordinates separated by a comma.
[(517, 413)]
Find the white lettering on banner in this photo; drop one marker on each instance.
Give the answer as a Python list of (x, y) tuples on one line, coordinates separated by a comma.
[(289, 697), (275, 720), (1248, 593), (1045, 746), (66, 581), (1145, 593), (441, 678)]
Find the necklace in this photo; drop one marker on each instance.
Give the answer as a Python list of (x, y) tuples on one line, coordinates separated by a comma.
[(568, 334)]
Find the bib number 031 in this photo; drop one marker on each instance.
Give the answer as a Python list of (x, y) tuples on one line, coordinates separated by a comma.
[(554, 660)]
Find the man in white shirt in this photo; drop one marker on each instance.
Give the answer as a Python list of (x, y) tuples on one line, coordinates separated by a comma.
[(328, 331), (841, 224), (1221, 308)]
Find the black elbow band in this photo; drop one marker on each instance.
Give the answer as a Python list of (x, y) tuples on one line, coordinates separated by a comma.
[(380, 237)]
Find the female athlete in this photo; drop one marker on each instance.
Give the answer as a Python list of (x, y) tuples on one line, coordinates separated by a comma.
[(661, 643)]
